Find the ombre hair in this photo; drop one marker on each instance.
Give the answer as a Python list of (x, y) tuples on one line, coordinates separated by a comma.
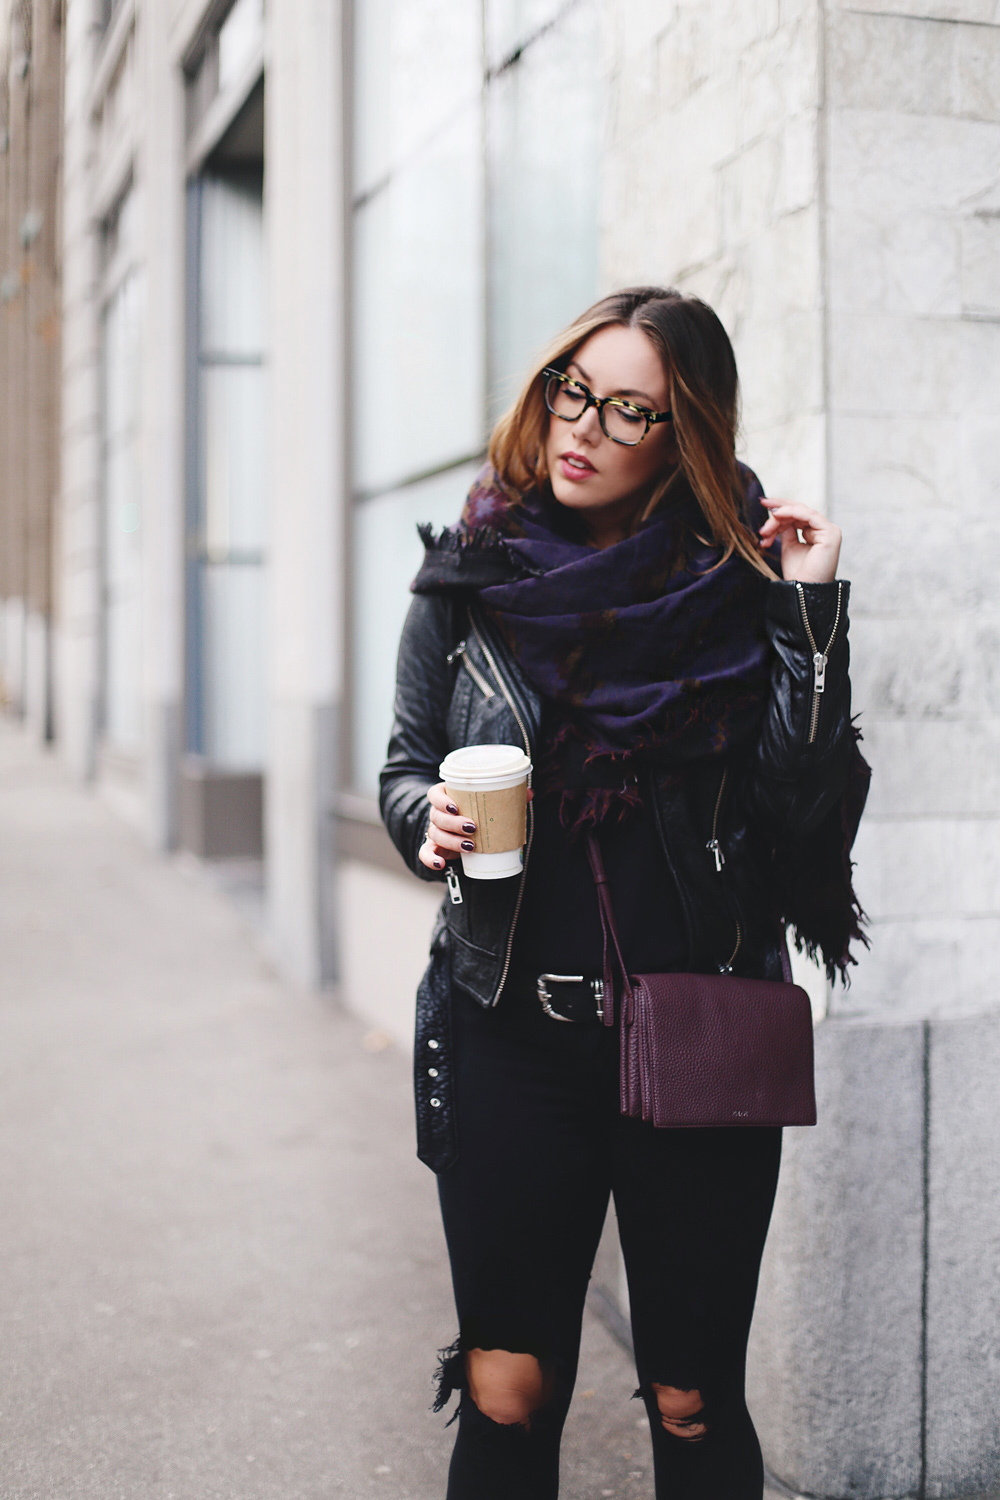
[(700, 367)]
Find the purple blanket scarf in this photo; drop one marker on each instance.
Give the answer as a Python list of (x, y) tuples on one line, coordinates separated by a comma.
[(650, 647), (648, 651)]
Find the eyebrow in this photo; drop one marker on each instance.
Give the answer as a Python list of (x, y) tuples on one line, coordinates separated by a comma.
[(643, 396)]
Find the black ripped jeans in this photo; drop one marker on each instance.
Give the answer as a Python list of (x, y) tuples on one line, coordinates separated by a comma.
[(541, 1146)]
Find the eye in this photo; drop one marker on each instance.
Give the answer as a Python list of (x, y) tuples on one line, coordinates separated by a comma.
[(631, 414)]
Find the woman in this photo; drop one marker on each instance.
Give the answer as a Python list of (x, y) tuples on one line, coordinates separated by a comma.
[(606, 602)]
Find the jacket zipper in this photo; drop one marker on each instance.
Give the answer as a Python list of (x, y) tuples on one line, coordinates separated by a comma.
[(531, 815), (472, 670), (713, 846), (819, 658), (715, 849)]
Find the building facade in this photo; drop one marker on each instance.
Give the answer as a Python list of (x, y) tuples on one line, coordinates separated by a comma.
[(293, 261), (30, 144)]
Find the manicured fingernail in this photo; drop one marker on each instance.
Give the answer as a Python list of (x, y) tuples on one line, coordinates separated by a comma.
[(439, 864), (468, 846), (452, 809), (468, 827)]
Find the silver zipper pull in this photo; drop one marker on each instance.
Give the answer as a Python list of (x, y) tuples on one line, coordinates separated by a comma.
[(715, 848), (819, 672), (454, 889), (458, 651)]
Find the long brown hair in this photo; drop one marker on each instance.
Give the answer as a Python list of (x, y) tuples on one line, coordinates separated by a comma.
[(701, 374)]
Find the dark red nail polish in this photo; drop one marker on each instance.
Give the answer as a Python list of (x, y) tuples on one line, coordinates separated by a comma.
[(452, 809), (468, 846), (468, 827), (439, 864)]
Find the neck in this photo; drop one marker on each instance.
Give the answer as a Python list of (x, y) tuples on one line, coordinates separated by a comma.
[(607, 524)]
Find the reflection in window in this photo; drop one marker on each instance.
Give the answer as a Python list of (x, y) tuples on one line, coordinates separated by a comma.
[(475, 238), (227, 516), (241, 37), (543, 131)]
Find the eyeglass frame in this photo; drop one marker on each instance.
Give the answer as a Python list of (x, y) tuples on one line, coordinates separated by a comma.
[(600, 402)]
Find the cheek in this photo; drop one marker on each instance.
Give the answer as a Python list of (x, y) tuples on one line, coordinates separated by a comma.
[(636, 466), (551, 441)]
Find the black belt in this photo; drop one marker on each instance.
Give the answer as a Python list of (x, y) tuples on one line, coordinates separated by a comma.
[(562, 997)]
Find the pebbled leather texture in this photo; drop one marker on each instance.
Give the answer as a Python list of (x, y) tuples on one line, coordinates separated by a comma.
[(433, 1065), (713, 1049)]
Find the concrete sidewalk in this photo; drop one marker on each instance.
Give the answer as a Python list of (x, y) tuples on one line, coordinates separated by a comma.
[(223, 1273)]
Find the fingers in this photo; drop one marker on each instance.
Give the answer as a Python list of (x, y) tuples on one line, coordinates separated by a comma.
[(448, 826), (432, 856), (783, 514), (448, 832)]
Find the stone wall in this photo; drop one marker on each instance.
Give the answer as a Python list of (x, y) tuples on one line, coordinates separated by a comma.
[(828, 176), (712, 184)]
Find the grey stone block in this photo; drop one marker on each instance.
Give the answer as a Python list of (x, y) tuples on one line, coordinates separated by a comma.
[(834, 1374), (963, 1283)]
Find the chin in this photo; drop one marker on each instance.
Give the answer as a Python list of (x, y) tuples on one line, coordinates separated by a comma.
[(572, 496)]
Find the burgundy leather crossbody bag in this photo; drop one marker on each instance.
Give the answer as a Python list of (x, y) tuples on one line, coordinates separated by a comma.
[(707, 1049)]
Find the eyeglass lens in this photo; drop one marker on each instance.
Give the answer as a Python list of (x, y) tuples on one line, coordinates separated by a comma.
[(566, 399)]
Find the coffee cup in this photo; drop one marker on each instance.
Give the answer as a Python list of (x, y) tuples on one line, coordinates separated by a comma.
[(489, 785)]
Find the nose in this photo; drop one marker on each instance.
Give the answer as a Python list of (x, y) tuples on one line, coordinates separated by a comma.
[(588, 426)]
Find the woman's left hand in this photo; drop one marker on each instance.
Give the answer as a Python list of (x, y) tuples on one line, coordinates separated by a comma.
[(813, 560)]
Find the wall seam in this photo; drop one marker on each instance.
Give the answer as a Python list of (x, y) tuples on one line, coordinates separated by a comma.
[(925, 1188), (822, 162)]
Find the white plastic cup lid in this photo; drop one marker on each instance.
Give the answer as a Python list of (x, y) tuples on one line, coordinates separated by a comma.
[(473, 764)]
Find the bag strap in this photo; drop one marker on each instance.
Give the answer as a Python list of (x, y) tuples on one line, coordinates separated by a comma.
[(609, 931)]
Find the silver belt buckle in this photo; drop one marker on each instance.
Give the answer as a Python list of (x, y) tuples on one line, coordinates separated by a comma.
[(545, 994)]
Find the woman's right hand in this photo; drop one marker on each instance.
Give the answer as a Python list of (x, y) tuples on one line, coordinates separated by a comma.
[(448, 833)]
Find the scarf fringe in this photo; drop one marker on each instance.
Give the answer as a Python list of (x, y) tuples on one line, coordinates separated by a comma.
[(459, 538)]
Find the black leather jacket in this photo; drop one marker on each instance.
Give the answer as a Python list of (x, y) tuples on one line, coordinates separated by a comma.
[(458, 685)]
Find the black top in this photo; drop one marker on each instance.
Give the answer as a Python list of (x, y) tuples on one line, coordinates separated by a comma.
[(559, 927)]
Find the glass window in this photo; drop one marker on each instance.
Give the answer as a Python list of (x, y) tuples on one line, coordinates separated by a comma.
[(417, 63), (476, 130), (241, 36), (543, 133), (122, 509), (228, 513), (417, 397), (511, 24), (387, 554)]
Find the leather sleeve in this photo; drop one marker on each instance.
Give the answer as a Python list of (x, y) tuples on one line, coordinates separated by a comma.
[(793, 780), (418, 742)]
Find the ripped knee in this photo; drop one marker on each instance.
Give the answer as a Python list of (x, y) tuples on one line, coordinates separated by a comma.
[(681, 1412), (507, 1388)]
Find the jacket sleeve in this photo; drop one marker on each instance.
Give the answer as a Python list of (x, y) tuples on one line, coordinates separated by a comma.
[(418, 742), (799, 768)]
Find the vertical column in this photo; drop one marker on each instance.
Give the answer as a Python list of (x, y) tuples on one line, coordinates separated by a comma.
[(161, 180), (38, 238), (78, 517), (914, 356), (304, 227), (723, 176), (16, 337)]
